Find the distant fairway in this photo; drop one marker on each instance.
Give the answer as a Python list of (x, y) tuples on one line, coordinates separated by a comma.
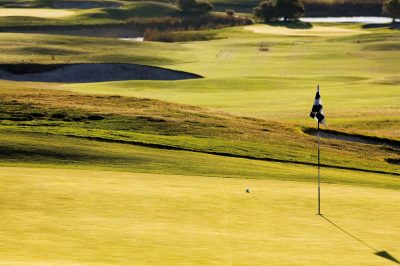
[(35, 12), (356, 68), (80, 217), (314, 31)]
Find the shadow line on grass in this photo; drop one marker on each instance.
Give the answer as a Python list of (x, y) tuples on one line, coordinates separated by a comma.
[(383, 253), (226, 154)]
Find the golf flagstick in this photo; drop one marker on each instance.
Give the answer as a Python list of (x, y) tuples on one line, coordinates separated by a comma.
[(317, 113), (319, 177)]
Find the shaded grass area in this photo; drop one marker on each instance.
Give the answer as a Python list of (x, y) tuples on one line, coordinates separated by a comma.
[(54, 216), (395, 46), (182, 36)]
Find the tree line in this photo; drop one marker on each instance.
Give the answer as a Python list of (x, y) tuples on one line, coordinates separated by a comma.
[(275, 10)]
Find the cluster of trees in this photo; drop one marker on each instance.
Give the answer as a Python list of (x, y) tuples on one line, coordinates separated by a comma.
[(292, 10), (392, 9), (194, 7), (272, 10)]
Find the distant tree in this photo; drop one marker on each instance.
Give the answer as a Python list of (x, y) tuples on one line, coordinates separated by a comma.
[(185, 5), (194, 7), (203, 7), (266, 10), (270, 10), (290, 9), (230, 12), (392, 9)]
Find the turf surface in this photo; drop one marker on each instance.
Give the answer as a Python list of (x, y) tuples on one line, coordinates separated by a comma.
[(58, 216), (106, 173)]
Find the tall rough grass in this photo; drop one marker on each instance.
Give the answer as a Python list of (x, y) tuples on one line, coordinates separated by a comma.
[(188, 23), (171, 36)]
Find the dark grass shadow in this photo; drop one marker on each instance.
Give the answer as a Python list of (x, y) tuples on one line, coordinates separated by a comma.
[(393, 161), (392, 26), (292, 24), (382, 254)]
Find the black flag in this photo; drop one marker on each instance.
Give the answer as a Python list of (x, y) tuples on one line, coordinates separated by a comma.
[(317, 111)]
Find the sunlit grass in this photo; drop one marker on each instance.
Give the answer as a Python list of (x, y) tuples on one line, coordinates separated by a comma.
[(34, 12), (59, 216)]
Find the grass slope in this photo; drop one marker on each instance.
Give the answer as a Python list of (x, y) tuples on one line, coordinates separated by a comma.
[(137, 9), (358, 100), (58, 216), (357, 73), (44, 150), (26, 17), (17, 49), (166, 125)]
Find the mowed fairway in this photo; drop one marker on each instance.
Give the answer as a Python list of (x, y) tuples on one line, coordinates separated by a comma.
[(35, 12), (81, 217)]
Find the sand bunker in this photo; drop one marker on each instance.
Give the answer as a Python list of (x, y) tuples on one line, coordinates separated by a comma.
[(330, 134), (80, 73), (314, 31), (35, 12)]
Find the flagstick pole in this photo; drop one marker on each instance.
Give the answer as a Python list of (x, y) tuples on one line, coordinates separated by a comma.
[(319, 177)]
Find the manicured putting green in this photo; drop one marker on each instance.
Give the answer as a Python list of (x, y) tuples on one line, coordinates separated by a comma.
[(314, 31), (35, 12), (60, 217)]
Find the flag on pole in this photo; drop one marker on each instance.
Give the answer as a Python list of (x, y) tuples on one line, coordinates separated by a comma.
[(317, 111)]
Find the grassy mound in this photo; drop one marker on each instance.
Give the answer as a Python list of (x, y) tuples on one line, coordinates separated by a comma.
[(162, 125), (28, 17), (138, 9)]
